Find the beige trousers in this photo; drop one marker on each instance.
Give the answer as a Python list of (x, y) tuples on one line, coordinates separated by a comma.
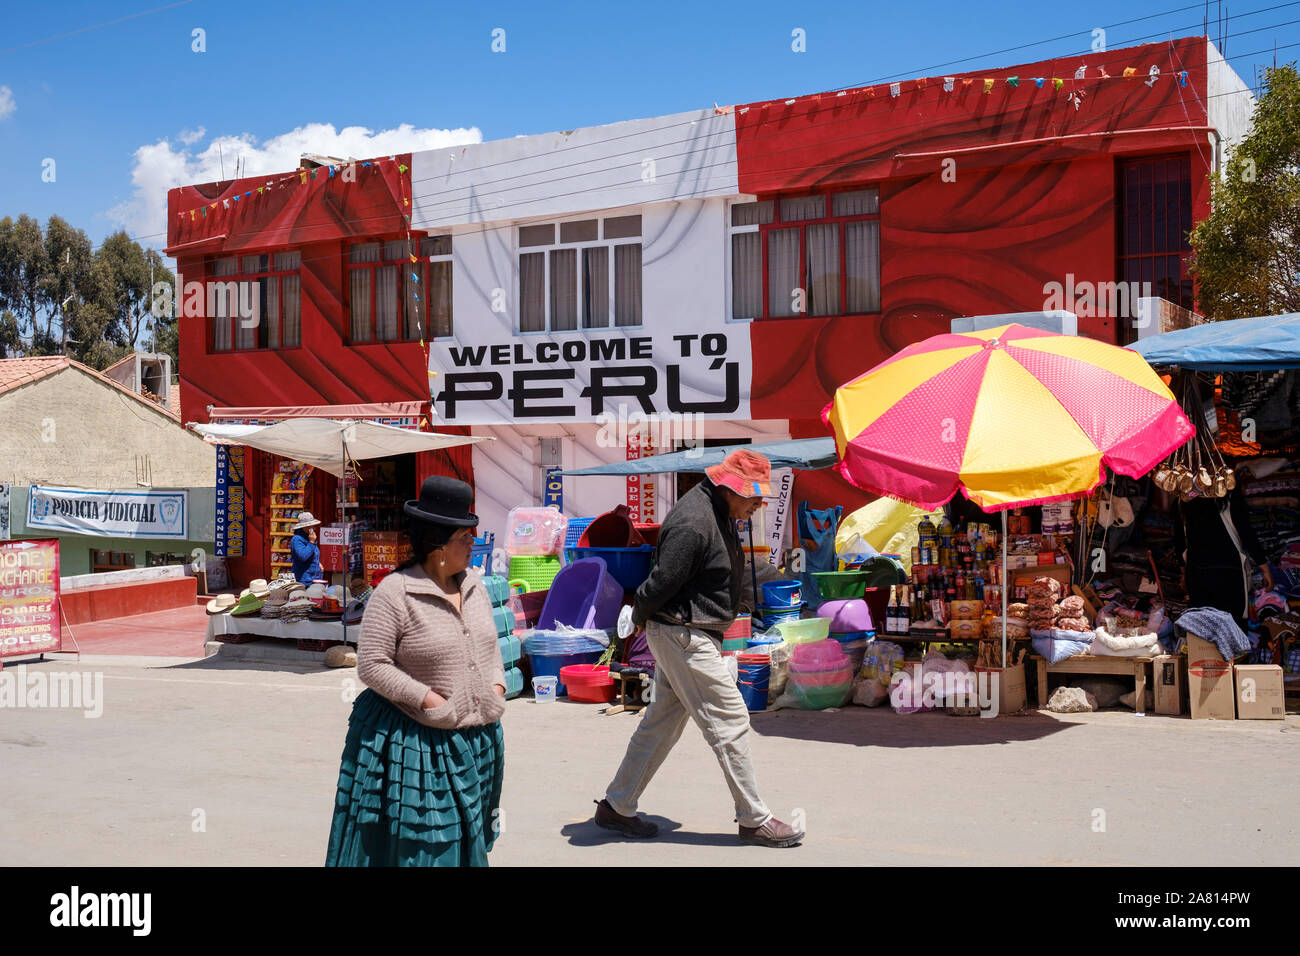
[(691, 682)]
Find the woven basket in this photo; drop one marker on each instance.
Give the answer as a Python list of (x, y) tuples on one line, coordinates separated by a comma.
[(535, 570)]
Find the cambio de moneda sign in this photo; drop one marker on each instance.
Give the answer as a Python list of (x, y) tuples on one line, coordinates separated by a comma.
[(29, 598)]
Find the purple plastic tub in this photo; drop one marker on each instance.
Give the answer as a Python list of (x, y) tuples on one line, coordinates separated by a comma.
[(849, 614), (584, 595)]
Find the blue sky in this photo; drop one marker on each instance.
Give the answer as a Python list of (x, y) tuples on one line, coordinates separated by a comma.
[(128, 109)]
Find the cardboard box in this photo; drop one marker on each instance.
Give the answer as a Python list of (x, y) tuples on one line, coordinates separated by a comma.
[(1169, 674), (1259, 692), (966, 610), (1210, 691), (1012, 694)]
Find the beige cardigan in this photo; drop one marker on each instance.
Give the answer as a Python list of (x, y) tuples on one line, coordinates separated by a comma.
[(414, 640)]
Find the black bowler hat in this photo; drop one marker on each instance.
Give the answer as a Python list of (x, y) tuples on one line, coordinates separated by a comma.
[(445, 501)]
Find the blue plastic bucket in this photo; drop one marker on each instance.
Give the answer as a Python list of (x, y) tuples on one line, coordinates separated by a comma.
[(752, 679), (550, 667), (628, 566), (782, 594)]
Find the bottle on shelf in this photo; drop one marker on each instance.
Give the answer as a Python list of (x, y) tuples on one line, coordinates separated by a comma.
[(891, 611), (904, 621)]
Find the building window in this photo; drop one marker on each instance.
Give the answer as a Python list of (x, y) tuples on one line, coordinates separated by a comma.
[(580, 275), (1155, 217), (255, 301), (422, 308), (806, 255)]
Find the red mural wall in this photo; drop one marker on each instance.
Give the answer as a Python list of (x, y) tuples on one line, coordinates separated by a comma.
[(319, 216), (1029, 197)]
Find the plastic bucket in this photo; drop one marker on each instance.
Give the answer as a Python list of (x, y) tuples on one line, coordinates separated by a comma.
[(583, 595), (544, 666), (613, 529), (839, 585), (545, 689), (628, 566), (753, 675), (782, 594), (588, 683), (877, 603)]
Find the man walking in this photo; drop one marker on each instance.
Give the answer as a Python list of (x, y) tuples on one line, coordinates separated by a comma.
[(691, 597)]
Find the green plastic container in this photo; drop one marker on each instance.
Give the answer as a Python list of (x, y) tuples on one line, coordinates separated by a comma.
[(805, 630), (840, 585), (537, 571)]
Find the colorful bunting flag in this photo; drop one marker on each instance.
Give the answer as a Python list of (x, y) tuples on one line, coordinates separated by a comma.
[(1153, 74), (1057, 82), (1129, 71), (922, 83), (1182, 78), (1013, 81), (988, 85), (1104, 74), (402, 167), (1039, 81), (895, 89), (947, 84)]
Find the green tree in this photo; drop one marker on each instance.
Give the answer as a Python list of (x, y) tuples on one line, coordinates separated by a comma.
[(69, 278), (26, 269), (1246, 255), (11, 342)]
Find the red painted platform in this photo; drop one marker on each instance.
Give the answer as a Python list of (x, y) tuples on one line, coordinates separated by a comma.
[(175, 632), (109, 601)]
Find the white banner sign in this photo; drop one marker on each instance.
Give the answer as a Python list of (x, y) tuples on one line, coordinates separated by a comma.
[(109, 514), (778, 513)]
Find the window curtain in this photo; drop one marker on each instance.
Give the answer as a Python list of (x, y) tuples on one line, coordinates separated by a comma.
[(222, 336), (862, 265), (290, 300), (360, 290), (439, 304), (564, 290), (627, 285), (746, 275), (823, 243), (595, 287), (782, 270), (388, 306), (532, 292)]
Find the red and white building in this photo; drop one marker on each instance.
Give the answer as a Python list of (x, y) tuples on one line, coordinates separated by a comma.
[(729, 265)]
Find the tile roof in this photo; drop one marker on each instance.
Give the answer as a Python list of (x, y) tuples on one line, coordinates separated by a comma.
[(17, 372)]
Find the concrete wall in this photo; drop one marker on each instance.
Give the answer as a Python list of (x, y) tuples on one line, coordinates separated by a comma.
[(1230, 102), (74, 549), (70, 428)]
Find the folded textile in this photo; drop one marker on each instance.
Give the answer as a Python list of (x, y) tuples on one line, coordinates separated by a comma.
[(1217, 627), (1105, 644)]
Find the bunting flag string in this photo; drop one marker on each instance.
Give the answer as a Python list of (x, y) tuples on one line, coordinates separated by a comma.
[(271, 185)]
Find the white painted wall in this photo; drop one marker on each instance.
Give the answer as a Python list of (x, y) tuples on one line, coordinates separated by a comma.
[(684, 270), (1231, 102), (680, 156)]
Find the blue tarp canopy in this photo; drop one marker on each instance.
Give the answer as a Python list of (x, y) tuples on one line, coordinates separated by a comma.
[(805, 453), (1236, 345)]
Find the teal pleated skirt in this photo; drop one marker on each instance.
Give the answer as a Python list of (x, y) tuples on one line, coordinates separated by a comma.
[(411, 795)]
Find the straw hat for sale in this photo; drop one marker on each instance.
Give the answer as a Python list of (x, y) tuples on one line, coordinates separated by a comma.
[(316, 593), (305, 520), (221, 604), (259, 587)]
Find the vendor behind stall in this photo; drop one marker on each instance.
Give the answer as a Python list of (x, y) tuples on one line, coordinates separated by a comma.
[(1215, 539), (304, 550)]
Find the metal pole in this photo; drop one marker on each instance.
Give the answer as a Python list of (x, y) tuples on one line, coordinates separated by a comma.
[(347, 548), (753, 565), (1004, 587)]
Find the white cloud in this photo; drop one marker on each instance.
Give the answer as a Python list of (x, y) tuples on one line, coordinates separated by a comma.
[(7, 103), (162, 166), (191, 136)]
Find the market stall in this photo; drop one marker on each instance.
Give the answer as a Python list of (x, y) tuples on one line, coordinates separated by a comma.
[(369, 463)]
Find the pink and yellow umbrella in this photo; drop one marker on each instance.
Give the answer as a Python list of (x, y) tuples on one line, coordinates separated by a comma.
[(1009, 416)]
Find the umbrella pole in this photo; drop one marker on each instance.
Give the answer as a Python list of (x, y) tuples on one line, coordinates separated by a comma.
[(1004, 588)]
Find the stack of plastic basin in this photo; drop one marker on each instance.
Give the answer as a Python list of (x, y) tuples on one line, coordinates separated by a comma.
[(583, 595), (836, 585), (769, 617), (752, 676), (762, 644), (782, 594), (736, 637), (804, 630), (821, 675), (505, 620), (549, 651), (851, 625)]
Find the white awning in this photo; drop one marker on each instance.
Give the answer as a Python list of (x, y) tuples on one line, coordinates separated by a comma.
[(320, 441)]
